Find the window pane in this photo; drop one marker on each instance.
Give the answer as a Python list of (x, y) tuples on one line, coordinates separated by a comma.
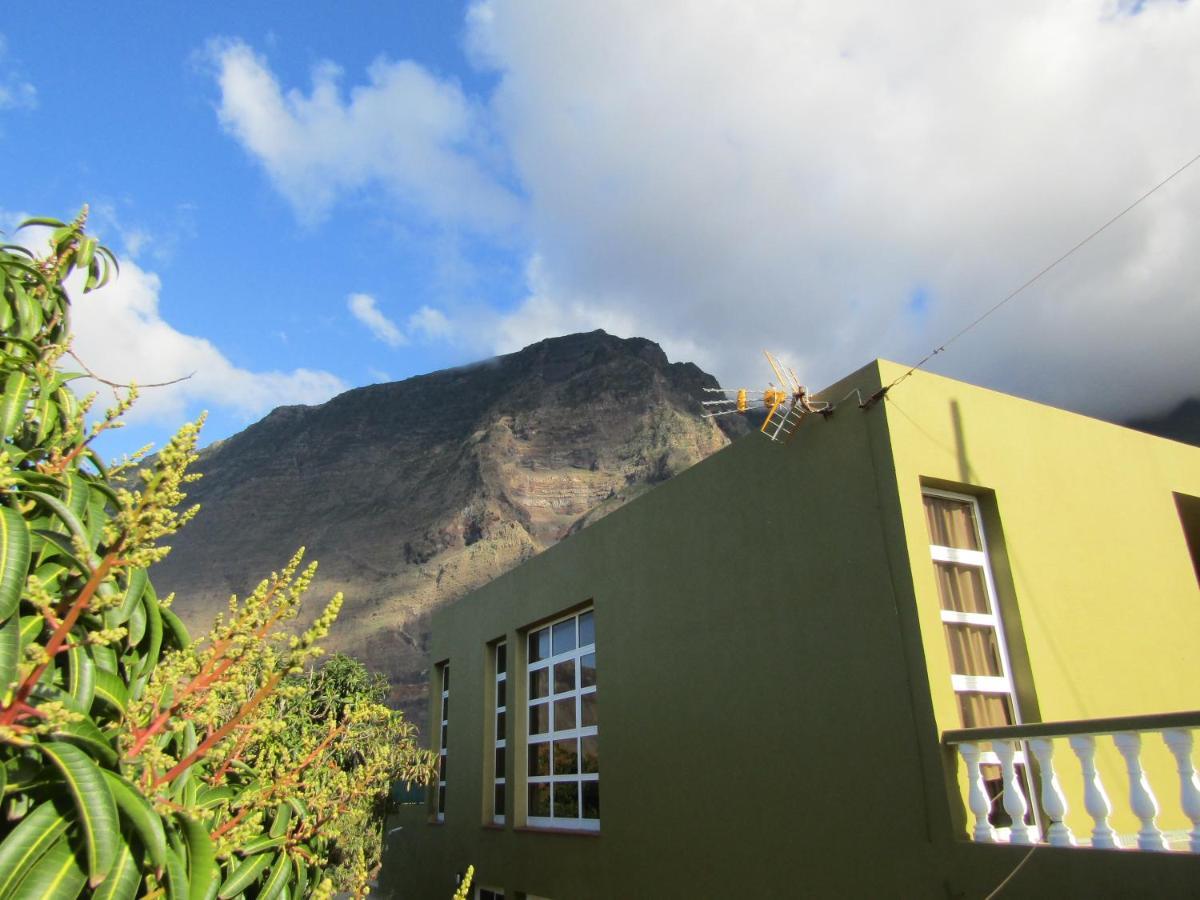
[(539, 644), (564, 714), (539, 683), (539, 800), (501, 733), (539, 718), (502, 693), (984, 710), (443, 744), (501, 658), (446, 707), (566, 757), (591, 799), (564, 636), (590, 754), (587, 630), (566, 800), (446, 677), (498, 801), (564, 676), (442, 767), (951, 523), (539, 758), (589, 708), (499, 762), (587, 670), (442, 799), (962, 588), (973, 650)]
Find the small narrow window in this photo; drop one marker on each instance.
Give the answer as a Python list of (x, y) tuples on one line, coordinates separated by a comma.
[(499, 791), (1189, 517), (442, 746), (563, 756)]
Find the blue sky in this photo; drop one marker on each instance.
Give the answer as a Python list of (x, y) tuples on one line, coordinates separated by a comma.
[(308, 202)]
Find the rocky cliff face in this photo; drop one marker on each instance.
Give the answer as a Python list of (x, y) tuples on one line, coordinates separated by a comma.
[(414, 493)]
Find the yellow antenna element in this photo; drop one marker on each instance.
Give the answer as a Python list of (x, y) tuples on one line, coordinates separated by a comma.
[(785, 406)]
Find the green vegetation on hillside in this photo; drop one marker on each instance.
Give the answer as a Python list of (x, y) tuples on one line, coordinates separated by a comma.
[(135, 761)]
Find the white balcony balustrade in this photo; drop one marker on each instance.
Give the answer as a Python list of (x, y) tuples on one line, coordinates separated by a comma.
[(1002, 750)]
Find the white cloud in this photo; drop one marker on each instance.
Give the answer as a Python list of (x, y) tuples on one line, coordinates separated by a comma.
[(121, 336), (798, 176), (431, 324), (364, 308), (15, 91), (418, 137)]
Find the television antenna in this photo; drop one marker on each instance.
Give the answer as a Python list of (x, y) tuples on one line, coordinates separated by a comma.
[(786, 405)]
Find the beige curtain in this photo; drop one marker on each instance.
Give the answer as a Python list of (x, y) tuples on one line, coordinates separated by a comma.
[(973, 650), (951, 523), (962, 588), (984, 710)]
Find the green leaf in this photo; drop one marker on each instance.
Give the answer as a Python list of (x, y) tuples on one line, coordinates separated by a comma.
[(137, 627), (81, 676), (64, 514), (84, 734), (277, 880), (58, 875), (261, 844), (283, 815), (203, 874), (177, 886), (26, 843), (111, 689), (94, 800), (10, 652), (245, 875), (300, 887), (132, 597), (58, 545), (208, 797), (106, 659), (14, 559), (76, 495), (176, 627), (41, 220), (154, 633), (123, 881), (12, 405), (138, 812)]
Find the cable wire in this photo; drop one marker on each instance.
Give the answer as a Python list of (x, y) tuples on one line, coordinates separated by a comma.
[(1042, 272)]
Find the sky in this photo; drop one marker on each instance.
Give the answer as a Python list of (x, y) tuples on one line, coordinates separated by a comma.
[(307, 202)]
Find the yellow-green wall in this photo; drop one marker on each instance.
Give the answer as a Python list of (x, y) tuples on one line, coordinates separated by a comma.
[(1100, 599), (771, 676)]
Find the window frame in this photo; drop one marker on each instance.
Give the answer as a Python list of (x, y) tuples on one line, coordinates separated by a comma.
[(499, 737), (443, 742), (549, 737)]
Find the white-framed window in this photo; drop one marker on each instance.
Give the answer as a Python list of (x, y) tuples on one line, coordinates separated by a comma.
[(563, 755), (980, 671), (443, 750), (500, 734)]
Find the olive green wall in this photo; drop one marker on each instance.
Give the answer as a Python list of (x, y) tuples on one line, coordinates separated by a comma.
[(767, 724), (1098, 593)]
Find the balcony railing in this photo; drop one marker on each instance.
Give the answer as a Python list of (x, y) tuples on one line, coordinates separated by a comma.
[(1083, 737)]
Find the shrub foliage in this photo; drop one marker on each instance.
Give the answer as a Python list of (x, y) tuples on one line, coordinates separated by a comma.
[(135, 761)]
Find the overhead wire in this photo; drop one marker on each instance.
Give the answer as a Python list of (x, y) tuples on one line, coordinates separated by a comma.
[(883, 391)]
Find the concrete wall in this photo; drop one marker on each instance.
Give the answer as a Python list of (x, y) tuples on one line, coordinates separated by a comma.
[(768, 726)]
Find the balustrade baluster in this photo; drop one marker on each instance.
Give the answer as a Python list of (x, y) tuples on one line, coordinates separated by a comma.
[(977, 795), (1141, 797), (1180, 743), (1014, 796), (1053, 801), (1095, 799)]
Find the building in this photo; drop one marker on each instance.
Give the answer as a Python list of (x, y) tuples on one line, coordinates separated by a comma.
[(754, 681)]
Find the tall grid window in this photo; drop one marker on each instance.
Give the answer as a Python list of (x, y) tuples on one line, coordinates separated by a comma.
[(563, 773), (979, 667), (442, 747), (501, 732)]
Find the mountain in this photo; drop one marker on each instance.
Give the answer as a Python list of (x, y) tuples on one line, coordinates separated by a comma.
[(413, 493), (1180, 424)]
